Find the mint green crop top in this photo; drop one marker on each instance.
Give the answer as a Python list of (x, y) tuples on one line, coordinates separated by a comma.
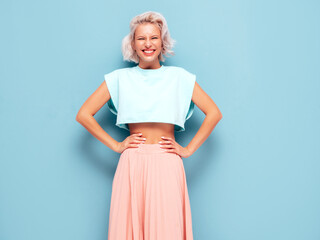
[(151, 95)]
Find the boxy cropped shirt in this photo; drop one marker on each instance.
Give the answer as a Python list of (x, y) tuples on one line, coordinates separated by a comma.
[(151, 95)]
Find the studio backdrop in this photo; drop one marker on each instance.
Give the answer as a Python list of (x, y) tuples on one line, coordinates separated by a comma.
[(256, 177)]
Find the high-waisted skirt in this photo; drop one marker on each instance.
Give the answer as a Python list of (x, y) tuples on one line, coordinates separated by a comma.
[(149, 199)]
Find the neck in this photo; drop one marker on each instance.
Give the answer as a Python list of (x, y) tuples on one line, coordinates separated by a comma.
[(146, 65)]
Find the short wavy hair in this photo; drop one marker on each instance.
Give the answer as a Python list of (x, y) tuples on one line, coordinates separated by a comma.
[(148, 17)]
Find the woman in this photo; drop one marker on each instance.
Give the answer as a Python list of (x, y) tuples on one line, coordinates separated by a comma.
[(149, 192)]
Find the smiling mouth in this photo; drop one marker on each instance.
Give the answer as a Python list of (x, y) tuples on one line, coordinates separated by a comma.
[(148, 52)]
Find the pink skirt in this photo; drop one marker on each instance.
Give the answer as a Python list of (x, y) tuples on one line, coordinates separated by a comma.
[(149, 199)]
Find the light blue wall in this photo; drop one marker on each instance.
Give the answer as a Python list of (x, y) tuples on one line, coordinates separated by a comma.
[(255, 178)]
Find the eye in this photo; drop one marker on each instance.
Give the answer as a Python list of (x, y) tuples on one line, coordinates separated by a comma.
[(143, 38)]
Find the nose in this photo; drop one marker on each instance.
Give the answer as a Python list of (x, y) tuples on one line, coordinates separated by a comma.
[(148, 43)]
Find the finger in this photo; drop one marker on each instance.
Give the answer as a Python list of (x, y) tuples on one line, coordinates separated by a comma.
[(139, 141), (136, 138), (170, 151), (140, 138), (136, 134), (168, 146), (164, 137), (136, 142), (165, 143), (132, 145), (168, 138)]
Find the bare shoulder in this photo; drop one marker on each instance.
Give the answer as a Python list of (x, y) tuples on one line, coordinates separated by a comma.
[(203, 101), (96, 100)]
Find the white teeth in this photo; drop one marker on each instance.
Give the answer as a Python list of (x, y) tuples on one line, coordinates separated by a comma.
[(148, 51)]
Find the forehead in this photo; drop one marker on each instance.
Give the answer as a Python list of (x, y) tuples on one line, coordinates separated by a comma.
[(147, 29)]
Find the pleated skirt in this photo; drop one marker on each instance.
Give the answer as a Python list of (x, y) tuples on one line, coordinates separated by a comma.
[(149, 199)]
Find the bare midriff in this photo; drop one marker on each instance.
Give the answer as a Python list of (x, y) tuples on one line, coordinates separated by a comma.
[(152, 131)]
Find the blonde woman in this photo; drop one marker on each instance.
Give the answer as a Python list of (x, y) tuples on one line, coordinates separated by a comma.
[(149, 191)]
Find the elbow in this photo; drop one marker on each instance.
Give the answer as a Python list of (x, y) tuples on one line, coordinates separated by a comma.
[(219, 116), (215, 114), (218, 113), (80, 116)]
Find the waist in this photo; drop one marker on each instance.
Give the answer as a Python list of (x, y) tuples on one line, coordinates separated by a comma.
[(148, 148), (153, 131)]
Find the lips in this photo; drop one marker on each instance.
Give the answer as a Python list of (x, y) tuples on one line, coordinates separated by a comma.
[(148, 52)]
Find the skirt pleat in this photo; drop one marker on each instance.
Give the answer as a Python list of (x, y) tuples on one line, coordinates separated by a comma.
[(149, 199)]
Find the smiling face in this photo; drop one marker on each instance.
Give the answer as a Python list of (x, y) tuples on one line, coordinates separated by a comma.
[(148, 45)]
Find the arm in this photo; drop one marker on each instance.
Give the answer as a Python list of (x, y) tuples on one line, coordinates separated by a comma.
[(90, 107), (213, 116)]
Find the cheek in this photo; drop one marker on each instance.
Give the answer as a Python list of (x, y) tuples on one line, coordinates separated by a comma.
[(137, 44)]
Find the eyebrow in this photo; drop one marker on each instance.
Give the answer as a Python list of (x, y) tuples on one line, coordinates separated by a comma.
[(151, 36)]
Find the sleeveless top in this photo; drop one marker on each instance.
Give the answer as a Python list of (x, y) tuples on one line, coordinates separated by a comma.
[(151, 95)]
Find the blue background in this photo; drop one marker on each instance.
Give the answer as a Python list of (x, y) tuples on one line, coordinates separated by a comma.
[(255, 177)]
